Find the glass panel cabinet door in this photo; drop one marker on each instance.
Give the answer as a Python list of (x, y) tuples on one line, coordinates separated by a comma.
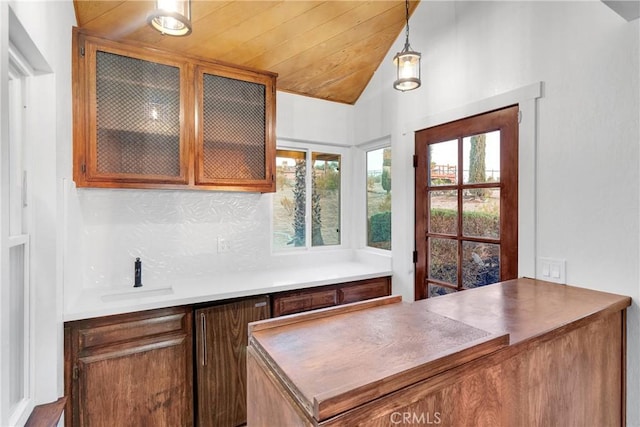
[(136, 103), (234, 129), (148, 118)]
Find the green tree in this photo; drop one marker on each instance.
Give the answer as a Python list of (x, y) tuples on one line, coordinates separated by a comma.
[(386, 170)]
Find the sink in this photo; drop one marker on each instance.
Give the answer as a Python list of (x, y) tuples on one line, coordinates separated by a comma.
[(136, 293)]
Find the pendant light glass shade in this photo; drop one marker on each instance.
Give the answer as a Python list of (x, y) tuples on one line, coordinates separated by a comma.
[(171, 17), (407, 70), (407, 64)]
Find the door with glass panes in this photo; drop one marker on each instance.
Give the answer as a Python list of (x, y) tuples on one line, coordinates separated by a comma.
[(466, 203)]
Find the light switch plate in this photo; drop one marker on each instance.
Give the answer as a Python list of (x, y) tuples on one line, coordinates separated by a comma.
[(551, 269)]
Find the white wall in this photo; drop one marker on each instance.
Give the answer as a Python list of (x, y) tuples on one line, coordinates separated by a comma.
[(586, 168)]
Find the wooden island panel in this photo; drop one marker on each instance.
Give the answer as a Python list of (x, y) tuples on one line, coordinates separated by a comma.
[(565, 368), (527, 308), (344, 359)]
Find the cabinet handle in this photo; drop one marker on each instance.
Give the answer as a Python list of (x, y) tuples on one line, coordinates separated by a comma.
[(203, 325)]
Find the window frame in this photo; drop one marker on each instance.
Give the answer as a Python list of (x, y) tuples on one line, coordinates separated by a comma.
[(16, 229), (309, 148)]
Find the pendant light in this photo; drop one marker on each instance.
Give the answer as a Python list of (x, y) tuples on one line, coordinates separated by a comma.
[(171, 17), (407, 64)]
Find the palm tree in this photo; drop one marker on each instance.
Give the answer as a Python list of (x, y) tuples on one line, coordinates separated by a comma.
[(477, 168)]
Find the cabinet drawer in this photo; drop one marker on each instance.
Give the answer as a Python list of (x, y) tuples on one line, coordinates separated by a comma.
[(129, 328), (290, 304), (370, 289)]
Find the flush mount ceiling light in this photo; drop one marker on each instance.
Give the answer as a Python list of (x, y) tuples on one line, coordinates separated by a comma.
[(171, 17), (407, 64)]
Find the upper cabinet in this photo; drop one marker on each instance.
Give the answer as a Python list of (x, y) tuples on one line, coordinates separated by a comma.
[(231, 124), (145, 118)]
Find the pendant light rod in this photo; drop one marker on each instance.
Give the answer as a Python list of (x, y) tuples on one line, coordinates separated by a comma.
[(406, 31)]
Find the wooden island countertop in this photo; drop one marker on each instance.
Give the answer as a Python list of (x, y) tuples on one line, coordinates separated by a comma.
[(521, 352)]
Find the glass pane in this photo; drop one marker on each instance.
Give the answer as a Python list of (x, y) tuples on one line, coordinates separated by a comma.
[(379, 198), (325, 199), (443, 161), (435, 290), (233, 127), (16, 325), (480, 264), (138, 116), (443, 260), (289, 201), (481, 213), (16, 150), (481, 158), (443, 214)]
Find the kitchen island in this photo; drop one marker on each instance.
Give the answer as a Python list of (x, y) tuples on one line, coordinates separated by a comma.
[(521, 352)]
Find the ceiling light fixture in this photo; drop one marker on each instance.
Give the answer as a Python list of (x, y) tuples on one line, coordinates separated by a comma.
[(172, 17), (407, 64)]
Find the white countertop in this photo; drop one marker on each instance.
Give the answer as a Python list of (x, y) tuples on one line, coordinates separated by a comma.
[(103, 302)]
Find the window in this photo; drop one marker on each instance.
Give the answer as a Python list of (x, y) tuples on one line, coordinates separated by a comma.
[(304, 192), (467, 203), (15, 253), (379, 198)]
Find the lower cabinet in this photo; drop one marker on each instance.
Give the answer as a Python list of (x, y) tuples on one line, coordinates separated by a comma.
[(221, 369), (131, 369), (180, 366), (297, 301)]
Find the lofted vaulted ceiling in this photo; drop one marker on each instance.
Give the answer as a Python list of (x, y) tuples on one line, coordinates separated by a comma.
[(323, 49)]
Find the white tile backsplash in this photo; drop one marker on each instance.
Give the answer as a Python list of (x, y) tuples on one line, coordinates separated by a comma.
[(173, 232)]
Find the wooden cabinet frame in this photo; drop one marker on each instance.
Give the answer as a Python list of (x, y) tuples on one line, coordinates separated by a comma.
[(85, 105), (264, 185), (85, 44)]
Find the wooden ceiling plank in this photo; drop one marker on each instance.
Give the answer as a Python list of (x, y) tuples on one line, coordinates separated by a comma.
[(87, 11), (357, 58), (205, 31), (235, 40), (317, 37), (346, 90), (326, 11), (122, 20), (317, 54)]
